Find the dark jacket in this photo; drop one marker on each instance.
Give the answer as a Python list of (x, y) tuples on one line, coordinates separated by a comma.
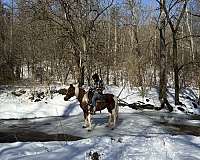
[(99, 86)]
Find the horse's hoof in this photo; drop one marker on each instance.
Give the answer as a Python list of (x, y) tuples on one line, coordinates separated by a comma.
[(89, 130), (84, 127)]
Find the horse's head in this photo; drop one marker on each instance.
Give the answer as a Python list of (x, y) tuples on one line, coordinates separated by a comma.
[(70, 92)]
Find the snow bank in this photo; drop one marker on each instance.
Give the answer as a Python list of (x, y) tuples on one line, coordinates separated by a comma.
[(18, 107)]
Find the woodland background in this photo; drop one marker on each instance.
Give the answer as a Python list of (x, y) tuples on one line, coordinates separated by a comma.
[(143, 44)]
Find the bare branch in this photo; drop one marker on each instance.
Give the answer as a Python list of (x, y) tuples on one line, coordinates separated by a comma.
[(188, 64), (102, 11), (194, 14), (181, 15)]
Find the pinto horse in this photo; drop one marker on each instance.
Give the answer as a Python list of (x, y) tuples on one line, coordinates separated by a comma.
[(109, 102)]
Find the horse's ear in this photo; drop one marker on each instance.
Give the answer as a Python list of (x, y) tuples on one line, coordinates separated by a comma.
[(71, 85)]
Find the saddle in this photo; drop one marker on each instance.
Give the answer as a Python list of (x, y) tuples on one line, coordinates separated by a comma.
[(101, 101), (90, 95)]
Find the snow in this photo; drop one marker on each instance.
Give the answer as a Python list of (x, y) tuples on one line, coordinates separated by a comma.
[(135, 138), (15, 107), (119, 148)]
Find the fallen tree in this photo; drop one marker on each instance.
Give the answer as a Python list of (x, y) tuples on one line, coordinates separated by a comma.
[(141, 105)]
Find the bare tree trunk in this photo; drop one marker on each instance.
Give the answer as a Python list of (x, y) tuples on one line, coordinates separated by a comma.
[(139, 67), (163, 63), (174, 29), (135, 21), (109, 52), (199, 90), (18, 72), (176, 69), (190, 32), (2, 32), (82, 67), (115, 52), (155, 59), (107, 74), (11, 29)]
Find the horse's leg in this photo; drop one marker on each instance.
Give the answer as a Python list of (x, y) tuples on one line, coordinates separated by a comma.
[(114, 118), (114, 114), (115, 111), (89, 122), (86, 121), (109, 119)]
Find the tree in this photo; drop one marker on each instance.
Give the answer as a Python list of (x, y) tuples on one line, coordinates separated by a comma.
[(7, 59), (162, 57), (78, 19), (174, 23)]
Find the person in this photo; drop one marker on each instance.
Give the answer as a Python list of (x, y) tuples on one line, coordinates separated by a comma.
[(97, 88)]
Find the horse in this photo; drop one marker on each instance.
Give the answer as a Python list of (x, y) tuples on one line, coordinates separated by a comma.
[(84, 98)]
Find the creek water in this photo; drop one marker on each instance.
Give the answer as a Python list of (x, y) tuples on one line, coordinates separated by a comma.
[(141, 123)]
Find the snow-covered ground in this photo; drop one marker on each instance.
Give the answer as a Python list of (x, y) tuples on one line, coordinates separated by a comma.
[(12, 106), (147, 141), (159, 147)]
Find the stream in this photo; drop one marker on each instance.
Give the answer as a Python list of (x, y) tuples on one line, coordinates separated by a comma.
[(140, 123)]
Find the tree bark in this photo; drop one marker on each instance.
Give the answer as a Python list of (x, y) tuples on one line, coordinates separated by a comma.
[(176, 69), (162, 56), (174, 29)]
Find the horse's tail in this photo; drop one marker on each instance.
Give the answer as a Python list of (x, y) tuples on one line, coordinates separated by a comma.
[(116, 107)]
